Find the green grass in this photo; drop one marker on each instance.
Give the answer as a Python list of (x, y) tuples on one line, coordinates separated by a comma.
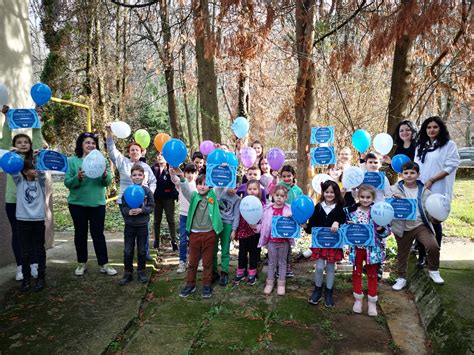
[(461, 220)]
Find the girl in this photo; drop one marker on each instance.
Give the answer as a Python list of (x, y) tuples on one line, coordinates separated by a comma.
[(360, 213), (265, 173), (258, 146), (335, 172), (248, 238), (328, 213), (277, 247)]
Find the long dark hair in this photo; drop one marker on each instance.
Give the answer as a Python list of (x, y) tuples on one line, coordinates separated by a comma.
[(423, 140), (79, 151), (396, 133), (29, 153), (337, 191)]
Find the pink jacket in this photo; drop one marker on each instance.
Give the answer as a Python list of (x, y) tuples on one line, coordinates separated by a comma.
[(265, 225)]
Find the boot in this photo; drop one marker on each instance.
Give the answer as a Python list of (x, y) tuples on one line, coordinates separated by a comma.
[(281, 287), (127, 278), (25, 284), (269, 286), (141, 276), (316, 296), (328, 297), (372, 305), (357, 308), (40, 283)]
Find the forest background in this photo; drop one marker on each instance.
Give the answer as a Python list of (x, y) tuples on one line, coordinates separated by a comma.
[(188, 68)]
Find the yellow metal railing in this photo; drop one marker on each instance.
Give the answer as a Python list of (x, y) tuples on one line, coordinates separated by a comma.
[(77, 104)]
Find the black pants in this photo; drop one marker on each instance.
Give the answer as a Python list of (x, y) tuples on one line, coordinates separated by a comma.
[(166, 204), (31, 235), (10, 209), (438, 228), (132, 234), (248, 246), (82, 217)]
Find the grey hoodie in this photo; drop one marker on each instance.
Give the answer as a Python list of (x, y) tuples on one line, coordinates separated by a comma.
[(30, 200)]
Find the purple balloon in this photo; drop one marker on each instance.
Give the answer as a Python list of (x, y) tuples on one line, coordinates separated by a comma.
[(248, 156), (206, 147), (276, 158)]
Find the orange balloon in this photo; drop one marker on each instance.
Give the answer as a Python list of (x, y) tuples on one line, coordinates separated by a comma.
[(160, 140)]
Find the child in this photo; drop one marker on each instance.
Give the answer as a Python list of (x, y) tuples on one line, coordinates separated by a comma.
[(198, 160), (265, 173), (190, 173), (327, 213), (345, 157), (277, 247), (373, 164), (421, 229), (360, 213), (136, 228), (203, 224), (253, 173), (335, 172), (30, 215), (248, 241), (229, 204)]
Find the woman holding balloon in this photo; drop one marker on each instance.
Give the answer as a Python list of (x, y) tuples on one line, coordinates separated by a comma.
[(87, 178)]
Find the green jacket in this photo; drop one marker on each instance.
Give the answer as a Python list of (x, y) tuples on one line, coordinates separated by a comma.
[(213, 208)]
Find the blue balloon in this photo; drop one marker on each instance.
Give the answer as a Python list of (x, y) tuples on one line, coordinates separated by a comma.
[(134, 196), (12, 163), (240, 127), (174, 152), (302, 209), (41, 93), (361, 140), (398, 161), (232, 159), (217, 156)]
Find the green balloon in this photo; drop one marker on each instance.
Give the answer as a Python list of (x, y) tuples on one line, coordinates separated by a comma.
[(142, 137)]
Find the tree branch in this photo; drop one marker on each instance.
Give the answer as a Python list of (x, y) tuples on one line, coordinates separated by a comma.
[(134, 6)]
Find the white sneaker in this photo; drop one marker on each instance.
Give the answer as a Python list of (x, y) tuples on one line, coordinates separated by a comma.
[(19, 273), (181, 267), (400, 284), (200, 267), (34, 270), (436, 277), (107, 269), (81, 269)]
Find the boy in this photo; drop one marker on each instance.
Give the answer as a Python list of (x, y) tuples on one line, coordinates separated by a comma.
[(190, 173), (229, 204), (136, 228), (373, 164), (198, 160), (203, 224), (421, 229), (253, 173)]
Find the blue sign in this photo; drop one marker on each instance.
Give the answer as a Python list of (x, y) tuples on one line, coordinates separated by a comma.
[(322, 237), (358, 234), (322, 135), (221, 175), (322, 156), (285, 227), (404, 208), (23, 118), (375, 179), (51, 160)]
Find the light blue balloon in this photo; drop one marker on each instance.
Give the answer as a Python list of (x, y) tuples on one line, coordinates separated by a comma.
[(174, 152), (41, 93), (382, 213), (361, 140), (302, 209), (232, 159), (12, 163), (134, 196), (240, 127)]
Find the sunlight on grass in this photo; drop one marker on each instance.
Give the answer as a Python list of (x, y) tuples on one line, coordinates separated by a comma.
[(461, 220)]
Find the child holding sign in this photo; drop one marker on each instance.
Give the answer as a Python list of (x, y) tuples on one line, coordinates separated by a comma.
[(360, 214), (277, 247), (327, 213)]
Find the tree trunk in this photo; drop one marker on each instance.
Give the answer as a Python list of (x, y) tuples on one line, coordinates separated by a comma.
[(304, 91), (244, 89), (207, 79), (198, 117), (185, 96)]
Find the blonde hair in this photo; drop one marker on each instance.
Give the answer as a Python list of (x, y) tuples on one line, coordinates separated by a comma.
[(368, 188), (282, 188)]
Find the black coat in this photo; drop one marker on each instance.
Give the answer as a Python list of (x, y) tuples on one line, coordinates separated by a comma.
[(320, 219)]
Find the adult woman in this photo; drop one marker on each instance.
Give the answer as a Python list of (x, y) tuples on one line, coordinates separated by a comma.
[(405, 143), (87, 205), (438, 158)]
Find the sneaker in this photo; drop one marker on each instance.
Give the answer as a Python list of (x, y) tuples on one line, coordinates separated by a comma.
[(187, 290), (174, 246), (251, 280), (107, 269), (181, 267), (290, 274), (421, 262), (126, 278), (81, 269), (34, 270), (141, 276), (400, 284), (224, 279), (19, 273), (436, 277), (25, 285), (200, 267), (206, 292), (238, 278)]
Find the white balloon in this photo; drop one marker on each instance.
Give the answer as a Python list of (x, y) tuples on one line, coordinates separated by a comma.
[(307, 253), (120, 129), (251, 209), (94, 164), (318, 180), (438, 206), (382, 213), (4, 96), (383, 143), (352, 177)]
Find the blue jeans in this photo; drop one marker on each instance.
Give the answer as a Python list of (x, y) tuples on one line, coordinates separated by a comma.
[(183, 238)]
